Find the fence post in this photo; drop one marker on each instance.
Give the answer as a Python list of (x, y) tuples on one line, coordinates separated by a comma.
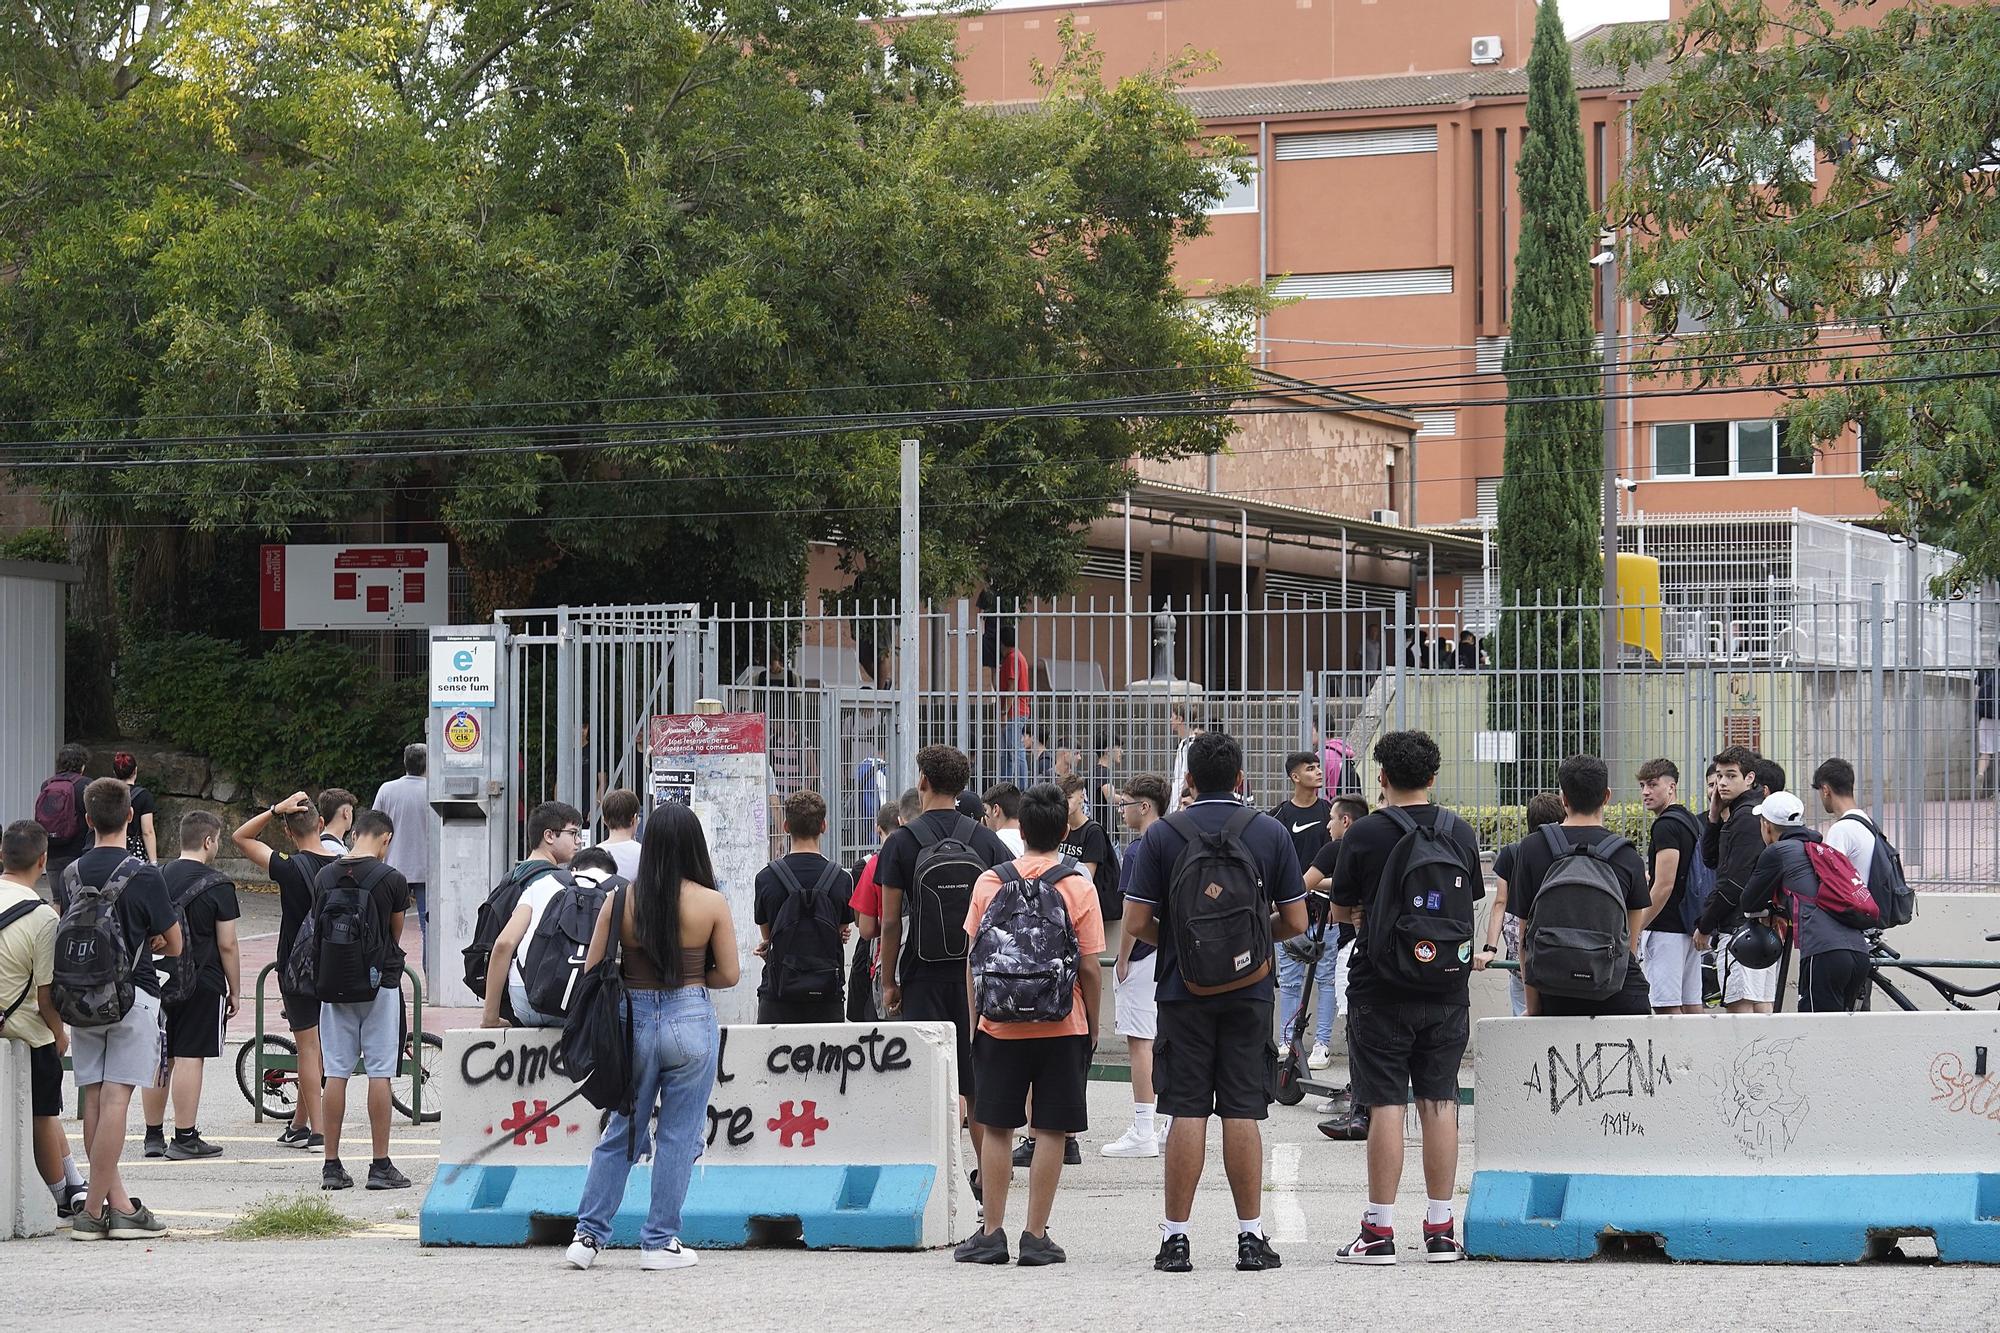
[(1402, 658), (1878, 737), (964, 667)]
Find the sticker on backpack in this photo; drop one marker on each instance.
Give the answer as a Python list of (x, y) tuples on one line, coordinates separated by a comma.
[(1425, 951), (1465, 952), (1242, 961)]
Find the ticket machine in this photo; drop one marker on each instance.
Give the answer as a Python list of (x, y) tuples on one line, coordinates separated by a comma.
[(466, 727)]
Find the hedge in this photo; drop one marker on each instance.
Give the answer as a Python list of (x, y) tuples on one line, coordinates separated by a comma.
[(1498, 825)]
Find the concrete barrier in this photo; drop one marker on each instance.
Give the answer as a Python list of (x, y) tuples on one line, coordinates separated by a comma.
[(29, 1209), (834, 1135), (1791, 1138)]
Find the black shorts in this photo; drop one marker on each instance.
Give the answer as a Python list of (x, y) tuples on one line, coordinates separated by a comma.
[(1055, 1069), (1396, 1047), (800, 1011), (942, 999), (45, 1078), (301, 1011), (1215, 1056), (195, 1027)]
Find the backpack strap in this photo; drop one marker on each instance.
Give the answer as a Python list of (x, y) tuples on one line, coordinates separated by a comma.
[(201, 885), (825, 882), (786, 877), (1862, 820), (965, 830), (1401, 818), (8, 918), (1233, 827), (920, 829), (1606, 848), (1558, 845)]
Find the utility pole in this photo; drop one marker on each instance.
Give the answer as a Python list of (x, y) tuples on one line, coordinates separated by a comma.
[(906, 669), (1606, 262)]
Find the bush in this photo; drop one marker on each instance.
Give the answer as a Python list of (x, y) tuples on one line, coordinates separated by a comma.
[(1498, 825), (307, 713), (44, 545)]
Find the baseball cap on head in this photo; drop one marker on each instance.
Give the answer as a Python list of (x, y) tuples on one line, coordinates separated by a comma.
[(1783, 809)]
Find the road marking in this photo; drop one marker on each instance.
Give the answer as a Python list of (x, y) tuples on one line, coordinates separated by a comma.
[(218, 1217), (294, 1159), (251, 1138), (263, 935), (1288, 1214), (396, 1230)]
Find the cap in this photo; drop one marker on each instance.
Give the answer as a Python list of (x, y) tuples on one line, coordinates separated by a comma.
[(1783, 809)]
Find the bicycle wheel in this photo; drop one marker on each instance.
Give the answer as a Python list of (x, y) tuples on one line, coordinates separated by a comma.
[(280, 1090), (399, 1086)]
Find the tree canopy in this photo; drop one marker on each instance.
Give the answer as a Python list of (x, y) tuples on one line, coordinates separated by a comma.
[(1816, 184)]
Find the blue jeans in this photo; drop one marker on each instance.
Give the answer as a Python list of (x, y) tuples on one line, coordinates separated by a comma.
[(1014, 751), (674, 1042), (1291, 990)]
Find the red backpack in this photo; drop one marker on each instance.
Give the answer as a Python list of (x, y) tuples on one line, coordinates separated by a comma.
[(57, 808), (1843, 894)]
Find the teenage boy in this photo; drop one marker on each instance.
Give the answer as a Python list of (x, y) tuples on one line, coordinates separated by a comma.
[(1215, 1054), (1585, 784), (294, 873), (1003, 815), (336, 813), (1103, 789), (406, 801), (1046, 1062), (589, 867), (71, 836), (917, 989), (1330, 987), (803, 870), (196, 1025), (867, 905), (1137, 1010), (1731, 842), (27, 1008), (1503, 927), (112, 1060), (1672, 963), (1011, 684), (1833, 956), (368, 1033), (620, 812), (1852, 832), (1307, 815), (1402, 1043)]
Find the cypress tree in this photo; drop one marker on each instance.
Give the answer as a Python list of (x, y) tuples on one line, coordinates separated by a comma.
[(1547, 536)]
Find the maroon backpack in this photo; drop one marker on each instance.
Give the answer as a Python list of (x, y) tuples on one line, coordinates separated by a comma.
[(57, 808), (1843, 894)]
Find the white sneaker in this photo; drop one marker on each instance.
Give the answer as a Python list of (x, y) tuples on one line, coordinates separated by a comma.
[(1132, 1144), (1284, 1051), (1328, 1106), (654, 1261), (1320, 1058), (582, 1252)]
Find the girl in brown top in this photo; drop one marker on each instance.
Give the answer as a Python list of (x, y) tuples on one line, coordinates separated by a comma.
[(676, 943)]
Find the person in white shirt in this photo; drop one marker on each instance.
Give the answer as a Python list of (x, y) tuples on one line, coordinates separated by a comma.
[(407, 802), (620, 812), (511, 948), (1852, 831), (1003, 815)]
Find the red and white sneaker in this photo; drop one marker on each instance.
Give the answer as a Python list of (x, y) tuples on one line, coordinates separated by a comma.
[(1373, 1246), (1441, 1243)]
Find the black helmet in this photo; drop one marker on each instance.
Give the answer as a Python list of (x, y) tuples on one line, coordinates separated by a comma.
[(1757, 945)]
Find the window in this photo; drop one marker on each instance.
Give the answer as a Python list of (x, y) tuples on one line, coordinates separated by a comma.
[(1237, 196), (1713, 449), (1488, 502)]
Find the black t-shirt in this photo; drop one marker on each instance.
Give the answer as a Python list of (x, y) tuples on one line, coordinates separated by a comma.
[(1532, 861), (770, 893), (294, 873), (1091, 845), (135, 835), (896, 868), (1671, 833), (202, 912), (390, 895), (143, 909), (1503, 868), (1357, 882), (1307, 825), (1326, 860)]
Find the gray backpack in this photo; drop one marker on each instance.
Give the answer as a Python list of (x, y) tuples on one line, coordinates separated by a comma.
[(1580, 938), (94, 961)]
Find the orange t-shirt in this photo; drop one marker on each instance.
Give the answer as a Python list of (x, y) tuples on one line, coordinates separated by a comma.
[(1085, 917)]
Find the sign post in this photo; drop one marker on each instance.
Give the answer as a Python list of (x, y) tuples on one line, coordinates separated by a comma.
[(470, 752)]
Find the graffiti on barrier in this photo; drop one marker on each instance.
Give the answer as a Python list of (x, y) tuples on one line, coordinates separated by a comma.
[(1964, 1091), (1758, 1099), (1590, 1072)]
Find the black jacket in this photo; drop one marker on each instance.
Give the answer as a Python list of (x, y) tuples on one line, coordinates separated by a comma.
[(1732, 850)]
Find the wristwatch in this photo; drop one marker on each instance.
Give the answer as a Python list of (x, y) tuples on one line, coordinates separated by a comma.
[(1491, 948)]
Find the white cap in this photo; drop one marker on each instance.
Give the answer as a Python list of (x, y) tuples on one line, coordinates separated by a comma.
[(1783, 809)]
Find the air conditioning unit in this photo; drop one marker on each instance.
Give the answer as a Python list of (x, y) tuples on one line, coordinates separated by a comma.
[(1486, 50), (1388, 516)]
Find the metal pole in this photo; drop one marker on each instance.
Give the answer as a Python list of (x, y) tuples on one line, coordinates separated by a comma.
[(1913, 694), (906, 676), (965, 633), (1243, 606), (1878, 717), (1609, 485), (1402, 658), (1129, 677)]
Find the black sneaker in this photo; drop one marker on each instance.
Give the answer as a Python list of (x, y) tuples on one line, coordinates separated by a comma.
[(333, 1176), (1072, 1152), (984, 1247), (294, 1137), (1024, 1151), (190, 1148), (1038, 1251), (1441, 1243), (72, 1200), (1254, 1253), (314, 1142), (156, 1143), (1372, 1246), (1349, 1128), (1173, 1256), (385, 1176)]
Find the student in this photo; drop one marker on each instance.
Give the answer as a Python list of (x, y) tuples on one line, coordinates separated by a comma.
[(1103, 789), (197, 1025), (923, 980), (555, 833), (1012, 683), (1833, 956), (1039, 760), (112, 1060), (1672, 963), (1402, 1043), (1306, 815), (1185, 726), (1330, 988), (59, 810), (407, 802), (588, 868), (27, 1008), (804, 913), (1137, 1009), (140, 838), (1215, 1054), (862, 1006), (368, 1033), (675, 943), (1544, 807), (336, 813), (1731, 843), (294, 873), (620, 812), (1003, 815), (1046, 1060), (1585, 784), (1852, 832)]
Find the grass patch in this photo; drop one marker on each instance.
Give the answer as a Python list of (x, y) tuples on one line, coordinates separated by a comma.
[(290, 1217)]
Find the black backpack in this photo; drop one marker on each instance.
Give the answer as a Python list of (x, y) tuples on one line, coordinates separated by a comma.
[(805, 958), (92, 984), (595, 1048), (1887, 884), (941, 894), (494, 914), (1420, 922), (350, 944), (552, 958), (1580, 943), (1216, 903), (185, 970), (1025, 957)]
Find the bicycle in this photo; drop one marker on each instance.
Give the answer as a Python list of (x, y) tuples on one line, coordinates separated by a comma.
[(1881, 957), (280, 1092)]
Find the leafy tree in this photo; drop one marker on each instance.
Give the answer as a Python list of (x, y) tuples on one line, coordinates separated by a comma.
[(1546, 536), (1818, 185)]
